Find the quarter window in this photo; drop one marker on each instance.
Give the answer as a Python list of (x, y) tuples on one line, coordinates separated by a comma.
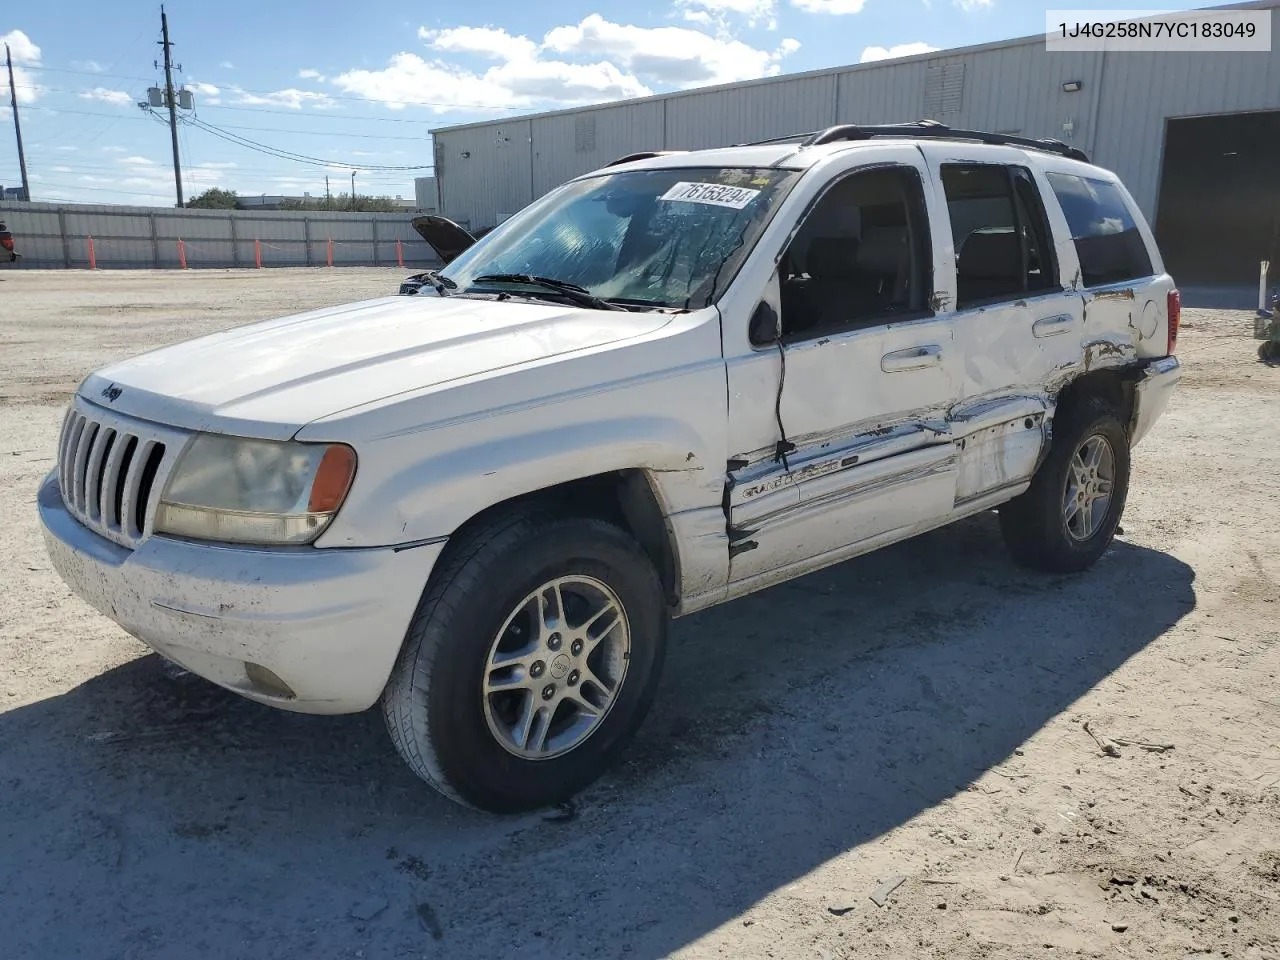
[(1001, 234), (1107, 240)]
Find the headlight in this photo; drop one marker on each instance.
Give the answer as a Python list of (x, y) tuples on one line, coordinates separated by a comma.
[(255, 491)]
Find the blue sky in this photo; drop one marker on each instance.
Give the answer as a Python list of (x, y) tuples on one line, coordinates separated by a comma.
[(357, 85)]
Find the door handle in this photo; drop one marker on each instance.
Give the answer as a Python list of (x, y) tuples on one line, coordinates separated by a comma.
[(1052, 326), (913, 358)]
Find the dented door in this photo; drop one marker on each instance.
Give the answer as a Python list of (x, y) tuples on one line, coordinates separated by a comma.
[(865, 408)]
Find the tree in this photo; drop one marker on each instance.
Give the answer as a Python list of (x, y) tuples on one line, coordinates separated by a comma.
[(214, 199), (342, 202)]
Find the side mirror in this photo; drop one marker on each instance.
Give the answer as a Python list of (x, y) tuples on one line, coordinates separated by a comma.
[(765, 327)]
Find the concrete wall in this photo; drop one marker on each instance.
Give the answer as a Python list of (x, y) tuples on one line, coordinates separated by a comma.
[(1118, 116), (57, 235)]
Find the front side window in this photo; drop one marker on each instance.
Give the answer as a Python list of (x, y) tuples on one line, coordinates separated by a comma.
[(1000, 232), (861, 257), (671, 238), (1107, 240)]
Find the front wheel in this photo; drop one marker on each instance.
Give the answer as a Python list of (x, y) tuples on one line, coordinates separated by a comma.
[(532, 660), (1068, 517)]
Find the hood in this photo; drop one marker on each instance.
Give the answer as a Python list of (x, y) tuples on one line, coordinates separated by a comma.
[(269, 379), (446, 238)]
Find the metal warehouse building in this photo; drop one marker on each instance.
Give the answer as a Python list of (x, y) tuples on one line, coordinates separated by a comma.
[(1195, 136)]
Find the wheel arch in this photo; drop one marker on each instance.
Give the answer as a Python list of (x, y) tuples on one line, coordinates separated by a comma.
[(628, 498), (1114, 386)]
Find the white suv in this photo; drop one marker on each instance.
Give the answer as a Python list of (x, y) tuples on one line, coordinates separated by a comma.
[(664, 385)]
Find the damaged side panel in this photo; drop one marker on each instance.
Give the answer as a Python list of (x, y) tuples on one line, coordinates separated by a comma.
[(841, 492)]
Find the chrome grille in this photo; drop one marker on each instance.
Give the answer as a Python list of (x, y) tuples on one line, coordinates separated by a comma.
[(111, 470)]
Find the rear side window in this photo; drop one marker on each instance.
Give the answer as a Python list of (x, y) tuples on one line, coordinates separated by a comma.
[(1000, 231), (1110, 248)]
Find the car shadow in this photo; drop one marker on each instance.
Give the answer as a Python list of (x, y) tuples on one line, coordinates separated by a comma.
[(149, 816)]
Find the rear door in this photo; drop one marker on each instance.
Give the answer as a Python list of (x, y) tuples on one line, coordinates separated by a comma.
[(1018, 327), (859, 386)]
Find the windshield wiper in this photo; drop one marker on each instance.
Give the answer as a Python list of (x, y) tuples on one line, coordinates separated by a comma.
[(441, 284), (570, 291)]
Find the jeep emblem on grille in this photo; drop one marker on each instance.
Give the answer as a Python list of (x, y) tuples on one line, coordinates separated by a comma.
[(112, 392)]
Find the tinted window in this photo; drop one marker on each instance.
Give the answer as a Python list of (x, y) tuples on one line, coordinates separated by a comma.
[(861, 255), (1110, 248), (1000, 233)]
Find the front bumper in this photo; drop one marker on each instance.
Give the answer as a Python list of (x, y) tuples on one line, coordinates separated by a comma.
[(329, 623), (1151, 395)]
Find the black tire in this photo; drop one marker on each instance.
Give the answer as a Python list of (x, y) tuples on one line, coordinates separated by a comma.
[(433, 703), (1034, 525)]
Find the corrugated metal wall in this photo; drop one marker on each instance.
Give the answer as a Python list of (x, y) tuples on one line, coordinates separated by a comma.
[(1118, 116), (57, 235), (1158, 86)]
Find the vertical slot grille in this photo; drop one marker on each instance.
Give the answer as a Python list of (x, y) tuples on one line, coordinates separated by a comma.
[(108, 474)]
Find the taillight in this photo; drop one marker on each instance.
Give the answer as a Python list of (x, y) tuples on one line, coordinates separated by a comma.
[(1175, 318), (6, 242)]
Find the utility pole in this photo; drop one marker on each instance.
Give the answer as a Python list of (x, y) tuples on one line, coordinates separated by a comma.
[(328, 197), (17, 126), (172, 100), (353, 189)]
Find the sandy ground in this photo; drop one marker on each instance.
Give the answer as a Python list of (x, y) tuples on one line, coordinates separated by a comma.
[(917, 714)]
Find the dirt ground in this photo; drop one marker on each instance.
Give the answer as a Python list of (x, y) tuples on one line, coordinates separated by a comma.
[(916, 715)]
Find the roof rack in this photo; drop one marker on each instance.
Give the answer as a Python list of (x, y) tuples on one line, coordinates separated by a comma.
[(643, 155), (933, 130)]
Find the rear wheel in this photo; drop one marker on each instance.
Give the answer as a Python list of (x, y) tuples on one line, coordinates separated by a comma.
[(532, 660), (1068, 517)]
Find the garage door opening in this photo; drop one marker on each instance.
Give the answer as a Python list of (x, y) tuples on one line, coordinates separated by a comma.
[(1219, 208)]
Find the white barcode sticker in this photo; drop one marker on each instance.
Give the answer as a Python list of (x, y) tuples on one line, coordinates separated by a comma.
[(715, 194)]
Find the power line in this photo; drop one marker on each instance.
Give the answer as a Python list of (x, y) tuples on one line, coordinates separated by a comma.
[(325, 133), (87, 73), (290, 155), (238, 90), (313, 115)]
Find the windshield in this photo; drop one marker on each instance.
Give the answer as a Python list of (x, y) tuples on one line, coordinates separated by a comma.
[(660, 238)]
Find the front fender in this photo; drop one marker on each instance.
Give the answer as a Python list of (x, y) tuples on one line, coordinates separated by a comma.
[(433, 494)]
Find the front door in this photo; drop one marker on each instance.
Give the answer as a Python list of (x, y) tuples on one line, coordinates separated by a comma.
[(838, 432)]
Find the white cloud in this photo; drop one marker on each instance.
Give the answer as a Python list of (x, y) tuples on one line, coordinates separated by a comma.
[(755, 12), (66, 148), (136, 161), (291, 98), (311, 75), (892, 53), (114, 150), (20, 47), (91, 66), (410, 80), (969, 6), (227, 65), (23, 51), (668, 56), (208, 93), (484, 41), (592, 61), (830, 6), (116, 98)]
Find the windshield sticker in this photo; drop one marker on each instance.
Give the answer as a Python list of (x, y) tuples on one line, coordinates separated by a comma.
[(715, 194)]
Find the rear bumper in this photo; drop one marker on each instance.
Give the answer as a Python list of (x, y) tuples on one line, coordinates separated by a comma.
[(328, 623), (1152, 390)]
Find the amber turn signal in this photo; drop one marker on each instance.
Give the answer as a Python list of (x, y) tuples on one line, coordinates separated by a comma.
[(333, 479)]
